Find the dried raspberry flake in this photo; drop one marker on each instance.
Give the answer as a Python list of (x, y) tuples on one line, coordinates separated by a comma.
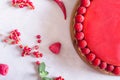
[(59, 78), (36, 47), (61, 4), (13, 37), (26, 51), (38, 36), (4, 69), (55, 47), (21, 46), (23, 3), (39, 41), (37, 54), (37, 62)]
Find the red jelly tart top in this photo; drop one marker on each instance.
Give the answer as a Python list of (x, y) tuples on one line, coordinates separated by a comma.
[(102, 30)]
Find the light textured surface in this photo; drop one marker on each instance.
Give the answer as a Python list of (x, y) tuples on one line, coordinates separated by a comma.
[(47, 20)]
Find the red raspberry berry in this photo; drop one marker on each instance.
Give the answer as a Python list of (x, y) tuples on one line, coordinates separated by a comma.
[(110, 68), (81, 10), (79, 18), (86, 3), (85, 50), (55, 47), (116, 71), (103, 65), (96, 62), (82, 44), (91, 57), (79, 35), (78, 27), (4, 69)]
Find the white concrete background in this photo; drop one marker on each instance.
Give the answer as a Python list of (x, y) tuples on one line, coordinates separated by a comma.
[(47, 20)]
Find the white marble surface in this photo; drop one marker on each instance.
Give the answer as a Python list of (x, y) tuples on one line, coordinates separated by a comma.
[(47, 20)]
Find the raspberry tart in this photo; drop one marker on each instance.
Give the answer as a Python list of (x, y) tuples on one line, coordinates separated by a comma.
[(95, 33)]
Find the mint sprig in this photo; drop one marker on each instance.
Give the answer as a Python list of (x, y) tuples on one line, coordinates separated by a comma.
[(47, 78), (42, 72), (41, 67)]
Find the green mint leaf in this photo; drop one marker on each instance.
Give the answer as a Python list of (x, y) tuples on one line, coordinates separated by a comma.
[(41, 67), (46, 78), (43, 74)]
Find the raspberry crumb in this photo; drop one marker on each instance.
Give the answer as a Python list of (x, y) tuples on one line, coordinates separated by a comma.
[(59, 78), (39, 41), (38, 36), (37, 62), (26, 51), (23, 3)]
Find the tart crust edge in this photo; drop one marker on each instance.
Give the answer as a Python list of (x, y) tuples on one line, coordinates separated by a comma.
[(74, 41)]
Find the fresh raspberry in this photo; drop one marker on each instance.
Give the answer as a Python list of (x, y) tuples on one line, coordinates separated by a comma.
[(86, 3), (103, 65), (79, 18), (4, 69), (91, 57), (96, 62), (82, 44), (110, 68), (79, 35), (78, 27), (55, 47), (81, 10), (85, 50), (116, 71)]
